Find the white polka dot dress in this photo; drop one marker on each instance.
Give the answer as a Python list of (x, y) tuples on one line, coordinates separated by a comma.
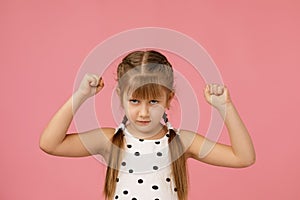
[(145, 171)]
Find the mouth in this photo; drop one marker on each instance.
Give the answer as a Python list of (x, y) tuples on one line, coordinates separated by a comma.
[(143, 122)]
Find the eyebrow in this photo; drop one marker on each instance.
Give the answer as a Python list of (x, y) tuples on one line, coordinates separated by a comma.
[(156, 98)]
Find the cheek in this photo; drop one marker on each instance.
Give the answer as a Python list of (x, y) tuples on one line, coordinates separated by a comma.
[(130, 111), (157, 112)]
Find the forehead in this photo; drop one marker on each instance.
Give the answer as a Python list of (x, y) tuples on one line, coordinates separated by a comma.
[(148, 91)]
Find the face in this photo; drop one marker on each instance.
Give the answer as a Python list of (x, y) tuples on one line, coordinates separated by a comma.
[(144, 115)]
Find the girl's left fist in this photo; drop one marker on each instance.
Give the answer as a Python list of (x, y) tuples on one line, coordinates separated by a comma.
[(217, 95)]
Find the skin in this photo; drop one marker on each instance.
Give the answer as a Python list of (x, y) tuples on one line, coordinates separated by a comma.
[(241, 152), (144, 116), (55, 140)]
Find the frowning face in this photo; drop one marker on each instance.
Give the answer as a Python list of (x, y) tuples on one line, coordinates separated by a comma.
[(144, 115)]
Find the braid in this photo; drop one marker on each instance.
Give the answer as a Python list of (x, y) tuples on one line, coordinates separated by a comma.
[(137, 58), (146, 74), (114, 161), (179, 161)]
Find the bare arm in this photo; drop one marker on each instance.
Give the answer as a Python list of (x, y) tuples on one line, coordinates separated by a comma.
[(55, 140), (241, 152)]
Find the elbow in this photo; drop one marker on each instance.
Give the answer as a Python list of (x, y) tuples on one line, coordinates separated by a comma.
[(44, 149), (44, 146), (247, 162)]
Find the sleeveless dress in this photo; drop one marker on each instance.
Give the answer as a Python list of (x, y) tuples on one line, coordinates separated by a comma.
[(145, 171)]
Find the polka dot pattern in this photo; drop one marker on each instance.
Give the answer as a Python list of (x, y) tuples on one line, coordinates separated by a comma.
[(145, 170), (125, 192), (155, 187), (136, 153), (140, 181)]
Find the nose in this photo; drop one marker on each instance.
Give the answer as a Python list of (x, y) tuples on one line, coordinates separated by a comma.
[(144, 110)]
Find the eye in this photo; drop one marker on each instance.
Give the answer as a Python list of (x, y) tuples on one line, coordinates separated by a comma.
[(134, 101), (153, 102)]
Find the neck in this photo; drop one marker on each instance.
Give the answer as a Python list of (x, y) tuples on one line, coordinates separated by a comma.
[(157, 134)]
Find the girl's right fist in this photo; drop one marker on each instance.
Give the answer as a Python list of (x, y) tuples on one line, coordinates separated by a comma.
[(90, 85)]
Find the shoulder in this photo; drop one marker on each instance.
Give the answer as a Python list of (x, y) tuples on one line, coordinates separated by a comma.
[(100, 140), (108, 132), (191, 141), (186, 134), (97, 139)]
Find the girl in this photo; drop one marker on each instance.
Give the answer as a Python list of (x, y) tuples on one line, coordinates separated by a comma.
[(146, 159)]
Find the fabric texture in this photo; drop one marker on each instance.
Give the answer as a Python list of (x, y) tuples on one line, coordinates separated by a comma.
[(145, 171)]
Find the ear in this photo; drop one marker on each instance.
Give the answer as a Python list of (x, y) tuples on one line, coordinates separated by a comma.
[(171, 96)]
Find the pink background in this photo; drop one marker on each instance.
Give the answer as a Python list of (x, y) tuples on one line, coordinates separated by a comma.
[(254, 44)]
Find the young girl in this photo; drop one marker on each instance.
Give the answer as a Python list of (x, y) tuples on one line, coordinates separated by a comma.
[(146, 159)]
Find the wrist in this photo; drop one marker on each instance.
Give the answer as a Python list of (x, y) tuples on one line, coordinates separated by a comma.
[(79, 97), (77, 100), (225, 107)]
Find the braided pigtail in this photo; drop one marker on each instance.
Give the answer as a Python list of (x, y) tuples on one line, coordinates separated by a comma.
[(179, 161), (114, 161)]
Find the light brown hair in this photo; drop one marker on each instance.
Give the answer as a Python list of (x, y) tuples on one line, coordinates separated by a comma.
[(146, 74)]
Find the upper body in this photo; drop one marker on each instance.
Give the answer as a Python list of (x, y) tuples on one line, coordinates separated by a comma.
[(146, 167), (145, 104)]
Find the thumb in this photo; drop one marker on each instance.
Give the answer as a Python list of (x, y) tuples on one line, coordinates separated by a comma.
[(207, 93)]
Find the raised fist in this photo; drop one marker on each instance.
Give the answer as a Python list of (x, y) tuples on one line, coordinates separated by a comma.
[(90, 85), (217, 95)]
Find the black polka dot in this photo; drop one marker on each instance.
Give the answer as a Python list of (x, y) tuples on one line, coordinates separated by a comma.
[(155, 167), (125, 192), (155, 187), (159, 154), (168, 135), (140, 181), (129, 145), (117, 179), (116, 197), (168, 179), (123, 163), (175, 189), (141, 140), (156, 199), (137, 153), (133, 198), (157, 142), (131, 171)]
